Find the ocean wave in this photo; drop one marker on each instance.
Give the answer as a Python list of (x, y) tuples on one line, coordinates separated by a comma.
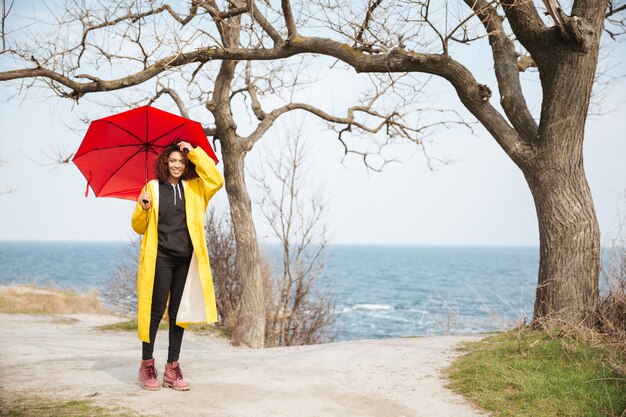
[(419, 310), (372, 307)]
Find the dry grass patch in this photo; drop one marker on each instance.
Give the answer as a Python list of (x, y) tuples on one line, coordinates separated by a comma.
[(198, 328), (34, 300), (16, 404)]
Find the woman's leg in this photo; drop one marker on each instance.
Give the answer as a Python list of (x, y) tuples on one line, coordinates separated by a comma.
[(179, 277), (162, 282)]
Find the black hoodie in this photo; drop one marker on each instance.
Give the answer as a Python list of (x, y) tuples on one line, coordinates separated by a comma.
[(174, 239)]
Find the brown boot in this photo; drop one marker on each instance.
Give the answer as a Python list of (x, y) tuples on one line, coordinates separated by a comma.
[(148, 375), (173, 377)]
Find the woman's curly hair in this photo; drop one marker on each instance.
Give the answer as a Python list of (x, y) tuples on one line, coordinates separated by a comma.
[(161, 164)]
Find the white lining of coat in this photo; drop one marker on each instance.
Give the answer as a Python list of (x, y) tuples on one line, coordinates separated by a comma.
[(191, 309)]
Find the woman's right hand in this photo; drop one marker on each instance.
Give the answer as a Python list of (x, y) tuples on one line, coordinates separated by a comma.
[(144, 199)]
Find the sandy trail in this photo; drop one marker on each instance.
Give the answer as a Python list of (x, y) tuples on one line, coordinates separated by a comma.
[(65, 356)]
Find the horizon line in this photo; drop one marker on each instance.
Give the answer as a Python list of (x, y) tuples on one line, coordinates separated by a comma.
[(278, 243)]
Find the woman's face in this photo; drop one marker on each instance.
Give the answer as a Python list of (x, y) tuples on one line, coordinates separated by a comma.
[(175, 166)]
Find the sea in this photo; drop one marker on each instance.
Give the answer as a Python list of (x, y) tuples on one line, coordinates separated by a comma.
[(378, 291)]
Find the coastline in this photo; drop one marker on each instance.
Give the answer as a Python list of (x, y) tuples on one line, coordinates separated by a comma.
[(379, 291)]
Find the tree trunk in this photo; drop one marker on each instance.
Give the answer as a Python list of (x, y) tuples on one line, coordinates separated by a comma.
[(250, 329), (569, 265), (250, 325)]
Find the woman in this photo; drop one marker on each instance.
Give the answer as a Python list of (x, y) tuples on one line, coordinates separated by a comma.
[(174, 259)]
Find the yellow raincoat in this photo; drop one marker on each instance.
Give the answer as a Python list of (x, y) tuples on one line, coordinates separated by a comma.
[(198, 299)]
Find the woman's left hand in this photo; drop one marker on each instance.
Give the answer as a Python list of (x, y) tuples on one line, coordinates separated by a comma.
[(184, 146)]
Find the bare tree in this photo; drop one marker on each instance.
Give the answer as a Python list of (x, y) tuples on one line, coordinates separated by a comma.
[(235, 146), (223, 255), (398, 37), (548, 147), (420, 37), (299, 312), (168, 50)]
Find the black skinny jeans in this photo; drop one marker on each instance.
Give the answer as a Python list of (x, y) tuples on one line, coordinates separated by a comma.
[(169, 279)]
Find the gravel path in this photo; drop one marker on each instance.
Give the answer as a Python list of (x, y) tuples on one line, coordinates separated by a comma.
[(65, 356)]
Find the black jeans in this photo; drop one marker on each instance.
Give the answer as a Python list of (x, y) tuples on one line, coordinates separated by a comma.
[(169, 279)]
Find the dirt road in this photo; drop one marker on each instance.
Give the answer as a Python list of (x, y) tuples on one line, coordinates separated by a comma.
[(66, 356)]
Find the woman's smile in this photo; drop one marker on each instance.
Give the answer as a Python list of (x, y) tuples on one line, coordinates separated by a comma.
[(176, 166)]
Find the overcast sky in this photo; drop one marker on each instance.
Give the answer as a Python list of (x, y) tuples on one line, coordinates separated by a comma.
[(479, 199)]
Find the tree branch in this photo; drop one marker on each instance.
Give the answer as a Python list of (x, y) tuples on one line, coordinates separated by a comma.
[(210, 131), (138, 16), (507, 70), (554, 10), (613, 11), (368, 17), (292, 31), (133, 17), (473, 95), (267, 122), (526, 24), (5, 13), (585, 16), (175, 96), (476, 8), (392, 123), (265, 24), (251, 89), (232, 12), (219, 17)]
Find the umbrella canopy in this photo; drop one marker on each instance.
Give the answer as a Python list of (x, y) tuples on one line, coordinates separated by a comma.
[(118, 153)]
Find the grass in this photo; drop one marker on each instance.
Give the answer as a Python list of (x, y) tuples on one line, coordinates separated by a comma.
[(27, 299), (20, 405), (202, 329), (130, 325), (22, 299), (530, 373), (208, 329)]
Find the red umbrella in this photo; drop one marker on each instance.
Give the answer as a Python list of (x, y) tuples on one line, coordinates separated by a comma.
[(119, 152)]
